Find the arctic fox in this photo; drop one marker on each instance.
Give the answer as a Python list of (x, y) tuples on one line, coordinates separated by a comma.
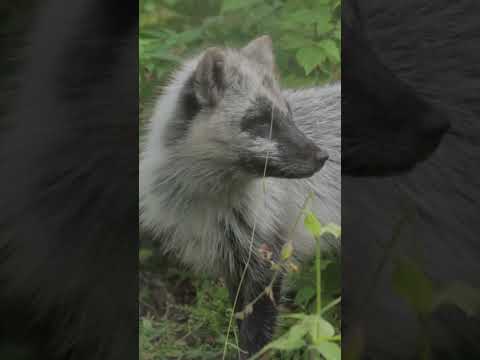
[(223, 125)]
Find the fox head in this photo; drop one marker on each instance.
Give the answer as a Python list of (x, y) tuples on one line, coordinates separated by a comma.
[(231, 117), (387, 127)]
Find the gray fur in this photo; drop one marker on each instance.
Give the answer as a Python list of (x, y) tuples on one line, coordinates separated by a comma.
[(189, 191)]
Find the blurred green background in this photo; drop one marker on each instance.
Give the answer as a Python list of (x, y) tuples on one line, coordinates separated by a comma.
[(305, 33)]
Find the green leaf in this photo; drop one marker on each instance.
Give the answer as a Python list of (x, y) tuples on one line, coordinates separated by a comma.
[(293, 41), (331, 50), (292, 340), (322, 17), (332, 304), (304, 296), (323, 28), (312, 224), (460, 294), (320, 328), (298, 316), (256, 17), (287, 251), (331, 228), (309, 58), (412, 284), (231, 5), (317, 229), (329, 350)]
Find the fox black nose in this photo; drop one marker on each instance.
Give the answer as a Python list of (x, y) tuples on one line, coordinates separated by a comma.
[(320, 156)]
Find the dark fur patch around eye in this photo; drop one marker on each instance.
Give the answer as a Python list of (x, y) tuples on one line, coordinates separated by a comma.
[(257, 119), (188, 107)]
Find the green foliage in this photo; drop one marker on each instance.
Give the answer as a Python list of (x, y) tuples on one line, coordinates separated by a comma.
[(314, 226), (314, 332), (412, 284), (305, 33)]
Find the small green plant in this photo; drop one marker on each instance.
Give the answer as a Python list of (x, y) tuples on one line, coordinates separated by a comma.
[(311, 333)]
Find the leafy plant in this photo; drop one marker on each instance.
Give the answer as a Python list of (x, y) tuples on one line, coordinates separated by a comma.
[(311, 333)]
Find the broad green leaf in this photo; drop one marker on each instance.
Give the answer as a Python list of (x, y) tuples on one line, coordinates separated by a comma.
[(322, 17), (332, 304), (320, 328), (298, 316), (312, 224), (331, 228), (291, 340), (305, 295), (412, 284), (331, 50), (302, 16), (293, 41), (329, 350), (254, 18), (460, 294), (323, 28)]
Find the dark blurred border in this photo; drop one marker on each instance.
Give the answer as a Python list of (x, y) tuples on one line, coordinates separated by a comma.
[(410, 241), (69, 184)]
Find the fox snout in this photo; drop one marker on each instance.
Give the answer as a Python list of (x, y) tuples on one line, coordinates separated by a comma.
[(299, 163), (310, 159), (300, 154)]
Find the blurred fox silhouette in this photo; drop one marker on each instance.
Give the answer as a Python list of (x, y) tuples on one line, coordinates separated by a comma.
[(420, 220), (69, 192)]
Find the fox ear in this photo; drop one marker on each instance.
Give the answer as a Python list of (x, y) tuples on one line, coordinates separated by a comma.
[(209, 81), (261, 51)]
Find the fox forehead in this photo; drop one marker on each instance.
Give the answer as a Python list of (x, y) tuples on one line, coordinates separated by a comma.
[(240, 70)]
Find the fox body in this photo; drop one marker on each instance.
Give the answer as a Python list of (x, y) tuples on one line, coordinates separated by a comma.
[(221, 125)]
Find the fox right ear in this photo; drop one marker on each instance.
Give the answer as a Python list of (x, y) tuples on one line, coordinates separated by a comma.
[(209, 81)]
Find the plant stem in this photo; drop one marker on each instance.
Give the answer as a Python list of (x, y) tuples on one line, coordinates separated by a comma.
[(319, 276)]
